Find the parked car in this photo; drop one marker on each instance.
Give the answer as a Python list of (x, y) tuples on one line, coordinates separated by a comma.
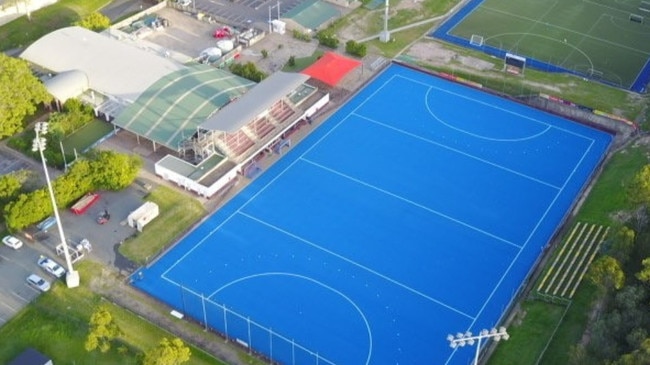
[(51, 266), (184, 2), (38, 282), (12, 242)]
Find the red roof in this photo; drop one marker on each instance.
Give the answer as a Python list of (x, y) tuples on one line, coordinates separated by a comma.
[(331, 68)]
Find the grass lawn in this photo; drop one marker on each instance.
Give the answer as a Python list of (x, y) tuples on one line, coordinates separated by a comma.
[(22, 32), (56, 324), (303, 62), (607, 196), (592, 94), (178, 213), (529, 333), (86, 136)]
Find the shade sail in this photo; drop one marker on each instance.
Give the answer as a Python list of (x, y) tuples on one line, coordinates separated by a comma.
[(331, 68)]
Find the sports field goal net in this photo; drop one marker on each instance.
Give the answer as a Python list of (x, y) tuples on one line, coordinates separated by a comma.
[(636, 18), (476, 40), (514, 64)]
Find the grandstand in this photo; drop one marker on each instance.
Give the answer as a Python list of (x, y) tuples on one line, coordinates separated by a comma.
[(569, 266), (212, 123), (242, 131)]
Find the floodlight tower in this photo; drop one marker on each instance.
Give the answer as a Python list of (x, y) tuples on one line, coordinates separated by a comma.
[(384, 36), (462, 339), (72, 276)]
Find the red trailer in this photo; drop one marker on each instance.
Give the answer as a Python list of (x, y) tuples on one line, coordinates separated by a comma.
[(81, 206)]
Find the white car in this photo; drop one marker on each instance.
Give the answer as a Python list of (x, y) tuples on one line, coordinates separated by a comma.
[(12, 242), (51, 266), (38, 282), (184, 2)]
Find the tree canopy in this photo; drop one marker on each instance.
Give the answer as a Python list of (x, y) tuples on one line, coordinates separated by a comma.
[(639, 188), (95, 21), (20, 94), (606, 272), (168, 352), (103, 330), (104, 170)]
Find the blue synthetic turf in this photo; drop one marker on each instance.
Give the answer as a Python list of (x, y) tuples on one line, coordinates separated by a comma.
[(417, 210)]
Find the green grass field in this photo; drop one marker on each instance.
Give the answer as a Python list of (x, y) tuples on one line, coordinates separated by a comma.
[(85, 137), (596, 38), (56, 323), (177, 214)]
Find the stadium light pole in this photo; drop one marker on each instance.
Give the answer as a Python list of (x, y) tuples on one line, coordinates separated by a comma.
[(462, 339), (71, 277)]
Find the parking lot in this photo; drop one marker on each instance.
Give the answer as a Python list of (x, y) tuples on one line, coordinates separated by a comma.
[(15, 266), (104, 239)]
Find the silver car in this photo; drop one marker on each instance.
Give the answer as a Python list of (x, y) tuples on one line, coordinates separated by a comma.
[(51, 266), (38, 282)]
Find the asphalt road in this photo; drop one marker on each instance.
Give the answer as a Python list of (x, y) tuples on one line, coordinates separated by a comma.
[(243, 13), (15, 266), (121, 8)]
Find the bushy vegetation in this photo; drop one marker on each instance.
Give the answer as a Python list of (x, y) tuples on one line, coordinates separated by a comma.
[(302, 36), (21, 93), (94, 21), (73, 116), (356, 49), (248, 71), (104, 170), (328, 39)]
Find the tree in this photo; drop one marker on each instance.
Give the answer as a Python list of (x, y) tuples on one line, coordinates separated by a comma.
[(327, 39), (114, 171), (639, 189), (173, 352), (644, 274), (638, 356), (95, 21), (20, 93), (10, 186), (103, 330), (248, 71), (606, 272), (621, 244), (356, 49)]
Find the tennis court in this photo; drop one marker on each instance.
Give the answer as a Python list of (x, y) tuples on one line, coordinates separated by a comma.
[(599, 39), (415, 211)]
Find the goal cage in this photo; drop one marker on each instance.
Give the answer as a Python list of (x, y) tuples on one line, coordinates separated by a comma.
[(514, 64), (636, 18), (476, 40)]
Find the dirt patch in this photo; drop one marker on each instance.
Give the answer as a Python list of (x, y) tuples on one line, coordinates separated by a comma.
[(279, 48)]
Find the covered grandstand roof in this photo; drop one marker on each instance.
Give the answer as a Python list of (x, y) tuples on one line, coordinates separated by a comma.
[(331, 68), (311, 14), (67, 84), (260, 98), (171, 109), (113, 67)]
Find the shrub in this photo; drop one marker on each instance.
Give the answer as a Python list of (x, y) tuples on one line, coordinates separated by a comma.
[(327, 39), (355, 49), (301, 36)]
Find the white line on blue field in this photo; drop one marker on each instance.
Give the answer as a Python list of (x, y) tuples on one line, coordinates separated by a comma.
[(365, 268), (514, 172), (411, 202)]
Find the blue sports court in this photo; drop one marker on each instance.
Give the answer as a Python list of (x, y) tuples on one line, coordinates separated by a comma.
[(417, 210)]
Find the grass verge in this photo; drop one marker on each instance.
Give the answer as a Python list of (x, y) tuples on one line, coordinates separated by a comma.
[(178, 213), (536, 320), (303, 62), (22, 31), (56, 323), (606, 197)]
